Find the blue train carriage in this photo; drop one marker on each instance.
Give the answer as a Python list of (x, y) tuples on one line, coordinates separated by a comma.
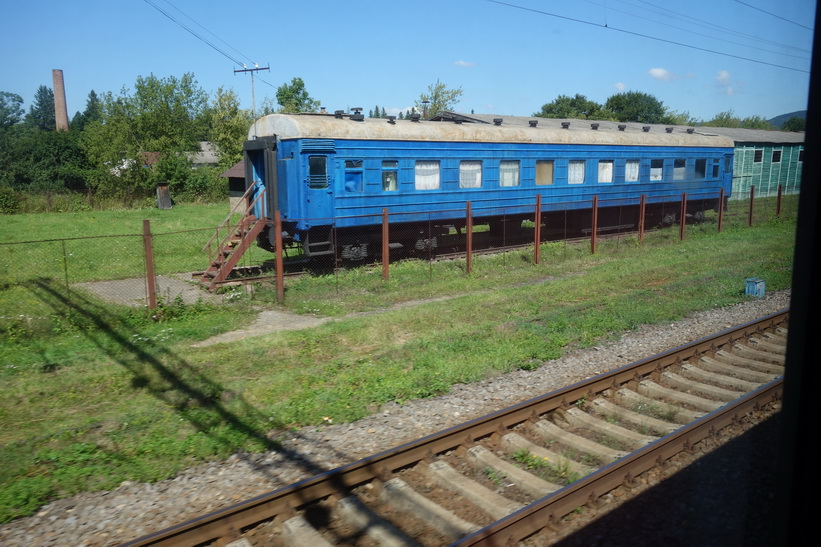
[(331, 176)]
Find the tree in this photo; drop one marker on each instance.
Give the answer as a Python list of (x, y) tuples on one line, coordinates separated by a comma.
[(729, 119), (756, 122), (294, 98), (578, 107), (229, 126), (41, 112), (11, 109), (164, 116), (794, 124), (93, 112), (635, 106), (169, 113), (438, 98)]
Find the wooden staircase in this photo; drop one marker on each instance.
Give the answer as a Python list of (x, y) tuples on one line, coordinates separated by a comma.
[(231, 240)]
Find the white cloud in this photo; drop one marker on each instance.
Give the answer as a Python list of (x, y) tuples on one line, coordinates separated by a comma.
[(620, 86), (723, 77), (662, 74), (464, 63), (726, 84)]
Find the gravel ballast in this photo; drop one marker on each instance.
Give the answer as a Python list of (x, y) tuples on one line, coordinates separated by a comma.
[(135, 509)]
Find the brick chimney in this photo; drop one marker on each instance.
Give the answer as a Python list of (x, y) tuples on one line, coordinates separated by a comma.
[(60, 110)]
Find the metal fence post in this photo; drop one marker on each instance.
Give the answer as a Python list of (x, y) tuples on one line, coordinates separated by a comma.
[(538, 231), (151, 282), (595, 225), (752, 204), (279, 263), (642, 208), (386, 248), (721, 210), (683, 223), (468, 238)]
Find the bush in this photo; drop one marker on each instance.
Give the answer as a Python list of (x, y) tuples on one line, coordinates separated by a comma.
[(9, 201), (205, 184)]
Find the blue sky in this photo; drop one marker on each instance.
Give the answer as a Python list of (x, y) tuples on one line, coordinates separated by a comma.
[(700, 56)]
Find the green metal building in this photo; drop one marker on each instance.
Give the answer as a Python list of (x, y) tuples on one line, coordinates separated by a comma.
[(764, 159)]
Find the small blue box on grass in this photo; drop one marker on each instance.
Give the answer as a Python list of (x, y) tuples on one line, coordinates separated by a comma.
[(755, 287)]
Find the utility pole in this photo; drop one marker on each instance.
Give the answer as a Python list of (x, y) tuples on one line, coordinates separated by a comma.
[(252, 70)]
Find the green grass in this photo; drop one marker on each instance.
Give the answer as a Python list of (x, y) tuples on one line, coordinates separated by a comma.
[(94, 394)]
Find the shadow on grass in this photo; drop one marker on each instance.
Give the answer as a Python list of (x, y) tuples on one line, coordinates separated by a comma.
[(193, 396)]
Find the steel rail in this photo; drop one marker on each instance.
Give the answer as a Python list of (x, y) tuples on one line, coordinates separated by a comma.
[(229, 522)]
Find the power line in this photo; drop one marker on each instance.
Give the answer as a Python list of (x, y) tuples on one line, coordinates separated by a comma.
[(709, 24), (701, 23), (211, 33), (150, 3), (773, 15), (647, 36)]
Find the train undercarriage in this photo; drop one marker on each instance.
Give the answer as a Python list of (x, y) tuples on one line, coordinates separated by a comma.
[(364, 243)]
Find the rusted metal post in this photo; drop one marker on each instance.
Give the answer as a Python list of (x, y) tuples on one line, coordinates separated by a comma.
[(386, 248), (752, 203), (538, 231), (151, 281), (642, 208), (595, 227), (721, 210), (683, 223), (778, 201), (468, 238), (279, 264)]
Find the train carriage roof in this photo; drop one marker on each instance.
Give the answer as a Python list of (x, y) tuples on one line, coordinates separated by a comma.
[(329, 126)]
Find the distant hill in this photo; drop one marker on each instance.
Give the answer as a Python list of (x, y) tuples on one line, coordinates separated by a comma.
[(779, 120)]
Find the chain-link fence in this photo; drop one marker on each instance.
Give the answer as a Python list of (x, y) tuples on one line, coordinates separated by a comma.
[(143, 268)]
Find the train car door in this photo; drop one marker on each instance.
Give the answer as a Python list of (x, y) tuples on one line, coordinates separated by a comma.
[(261, 174), (319, 156), (727, 182)]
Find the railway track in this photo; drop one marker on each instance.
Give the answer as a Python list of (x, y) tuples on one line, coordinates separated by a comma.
[(516, 473)]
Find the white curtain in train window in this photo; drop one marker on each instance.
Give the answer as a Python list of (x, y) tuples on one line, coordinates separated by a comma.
[(631, 171), (656, 169), (575, 172), (508, 173), (679, 169), (606, 171), (470, 174), (427, 175)]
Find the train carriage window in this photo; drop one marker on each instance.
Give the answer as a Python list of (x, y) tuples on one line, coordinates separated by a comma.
[(758, 156), (801, 155), (679, 169), (317, 172), (656, 170), (701, 169), (509, 173), (776, 156), (544, 172), (575, 172), (354, 181), (631, 171), (427, 175), (716, 167), (390, 175), (605, 170), (470, 174)]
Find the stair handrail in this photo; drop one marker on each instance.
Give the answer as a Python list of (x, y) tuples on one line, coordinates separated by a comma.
[(226, 223), (227, 220)]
